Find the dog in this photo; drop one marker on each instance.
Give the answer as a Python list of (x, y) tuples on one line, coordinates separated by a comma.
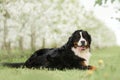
[(75, 54)]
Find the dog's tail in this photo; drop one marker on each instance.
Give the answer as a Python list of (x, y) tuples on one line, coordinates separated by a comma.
[(13, 65)]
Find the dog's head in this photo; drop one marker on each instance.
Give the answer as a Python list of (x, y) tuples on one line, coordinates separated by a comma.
[(80, 39)]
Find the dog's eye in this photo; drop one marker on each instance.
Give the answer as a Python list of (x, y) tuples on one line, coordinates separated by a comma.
[(77, 36)]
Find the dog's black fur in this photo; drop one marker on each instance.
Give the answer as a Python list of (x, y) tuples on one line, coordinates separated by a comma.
[(59, 58)]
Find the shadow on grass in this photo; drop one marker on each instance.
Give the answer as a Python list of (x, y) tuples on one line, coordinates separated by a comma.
[(12, 65)]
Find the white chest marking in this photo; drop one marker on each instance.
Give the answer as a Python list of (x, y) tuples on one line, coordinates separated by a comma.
[(83, 54)]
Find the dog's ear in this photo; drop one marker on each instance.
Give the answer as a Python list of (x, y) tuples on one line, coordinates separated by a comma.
[(71, 39), (70, 42)]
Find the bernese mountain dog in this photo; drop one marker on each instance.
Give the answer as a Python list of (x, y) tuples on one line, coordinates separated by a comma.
[(74, 54)]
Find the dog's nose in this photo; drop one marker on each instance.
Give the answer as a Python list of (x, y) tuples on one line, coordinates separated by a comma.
[(83, 43)]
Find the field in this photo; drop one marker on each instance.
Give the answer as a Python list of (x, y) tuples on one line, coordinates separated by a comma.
[(106, 60)]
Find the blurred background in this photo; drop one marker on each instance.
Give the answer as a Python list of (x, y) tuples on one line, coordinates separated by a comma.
[(34, 24)]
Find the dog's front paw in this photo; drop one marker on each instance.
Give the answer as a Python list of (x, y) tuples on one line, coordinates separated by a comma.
[(91, 67)]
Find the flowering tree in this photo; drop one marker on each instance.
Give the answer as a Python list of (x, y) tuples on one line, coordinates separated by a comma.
[(47, 23)]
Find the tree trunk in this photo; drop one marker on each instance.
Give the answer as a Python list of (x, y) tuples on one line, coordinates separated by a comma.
[(33, 38), (20, 43)]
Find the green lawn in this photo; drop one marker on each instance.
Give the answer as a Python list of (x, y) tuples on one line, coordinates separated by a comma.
[(106, 60)]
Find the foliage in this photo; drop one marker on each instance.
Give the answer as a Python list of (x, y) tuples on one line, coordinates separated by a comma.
[(100, 2)]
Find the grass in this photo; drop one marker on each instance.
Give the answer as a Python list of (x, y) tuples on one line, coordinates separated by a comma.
[(106, 60)]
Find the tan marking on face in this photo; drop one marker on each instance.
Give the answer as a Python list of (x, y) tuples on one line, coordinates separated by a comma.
[(75, 44)]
